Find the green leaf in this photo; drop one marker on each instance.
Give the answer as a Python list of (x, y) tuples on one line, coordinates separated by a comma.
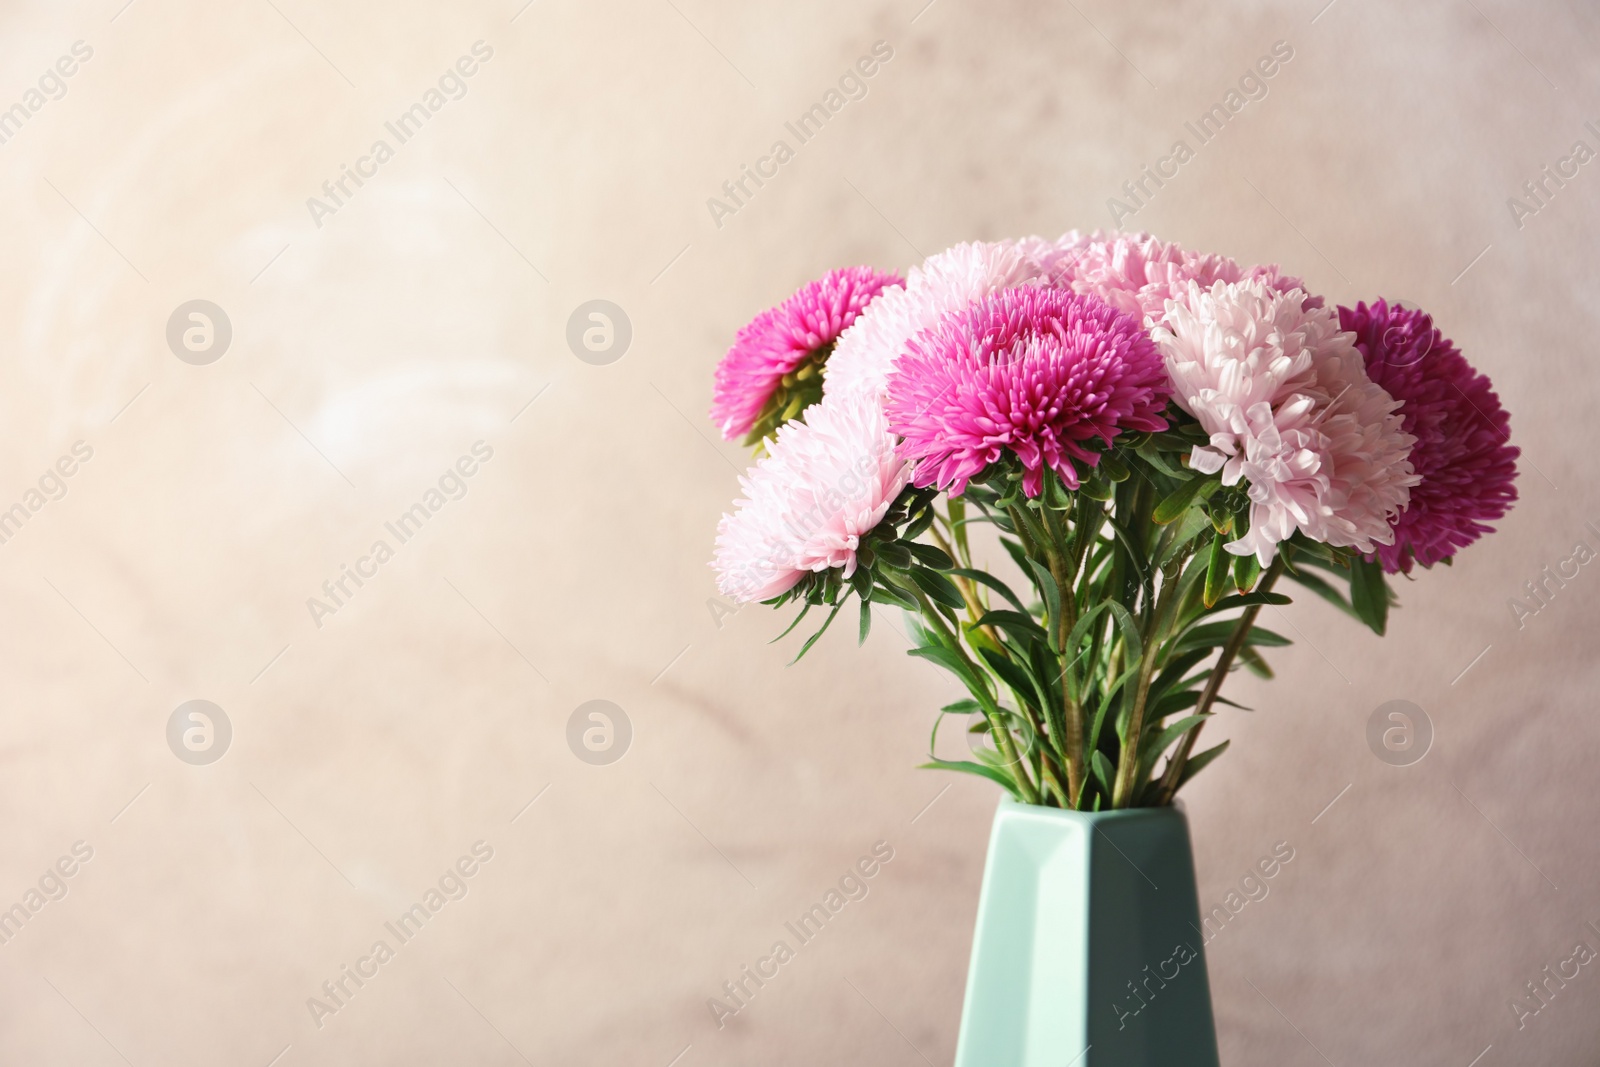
[(1256, 664), (1246, 569), (1114, 467), (1200, 761), (1369, 594), (866, 622), (791, 626), (1056, 497), (952, 662), (1021, 626), (1013, 676), (1158, 744), (1150, 452), (1188, 528), (1096, 487), (1216, 634), (1244, 600), (895, 554), (920, 524), (931, 556), (1130, 633), (894, 595), (964, 706), (1217, 573), (938, 587), (817, 636), (1178, 502), (968, 767), (985, 578), (1322, 588), (1102, 770), (1047, 588), (861, 582), (1172, 703)]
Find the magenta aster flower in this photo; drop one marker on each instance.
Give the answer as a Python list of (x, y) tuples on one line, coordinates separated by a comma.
[(776, 361), (1462, 453), (1032, 370)]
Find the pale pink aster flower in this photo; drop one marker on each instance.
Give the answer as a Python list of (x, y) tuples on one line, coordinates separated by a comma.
[(948, 281), (825, 483), (1137, 274), (1033, 371), (1290, 410)]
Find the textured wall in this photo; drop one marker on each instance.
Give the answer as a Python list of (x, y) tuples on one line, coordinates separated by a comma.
[(377, 339)]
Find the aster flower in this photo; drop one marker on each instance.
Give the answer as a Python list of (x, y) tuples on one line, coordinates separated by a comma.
[(1290, 410), (1137, 274), (1468, 469), (1038, 372), (946, 282), (825, 483), (773, 371)]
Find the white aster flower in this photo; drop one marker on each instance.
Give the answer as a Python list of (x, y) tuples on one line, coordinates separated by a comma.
[(824, 483)]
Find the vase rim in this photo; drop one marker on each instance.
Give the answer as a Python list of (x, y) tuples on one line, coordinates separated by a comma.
[(1171, 811)]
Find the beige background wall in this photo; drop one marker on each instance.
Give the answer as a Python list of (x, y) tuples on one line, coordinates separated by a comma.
[(372, 351)]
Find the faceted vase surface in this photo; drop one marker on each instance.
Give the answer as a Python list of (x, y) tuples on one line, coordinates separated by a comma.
[(1088, 950)]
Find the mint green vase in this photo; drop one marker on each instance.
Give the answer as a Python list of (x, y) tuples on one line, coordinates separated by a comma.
[(1088, 950)]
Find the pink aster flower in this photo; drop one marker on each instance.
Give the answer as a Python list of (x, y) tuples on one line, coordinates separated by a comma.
[(1291, 412), (781, 339), (1035, 371), (825, 482), (1468, 468), (1137, 274), (946, 282)]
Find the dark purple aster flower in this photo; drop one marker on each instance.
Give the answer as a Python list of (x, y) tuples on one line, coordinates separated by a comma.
[(1462, 453)]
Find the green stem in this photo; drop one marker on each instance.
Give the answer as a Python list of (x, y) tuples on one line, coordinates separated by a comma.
[(1002, 734), (1128, 764), (1173, 774)]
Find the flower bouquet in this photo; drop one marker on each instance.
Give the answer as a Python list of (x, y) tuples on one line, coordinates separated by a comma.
[(1153, 445)]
